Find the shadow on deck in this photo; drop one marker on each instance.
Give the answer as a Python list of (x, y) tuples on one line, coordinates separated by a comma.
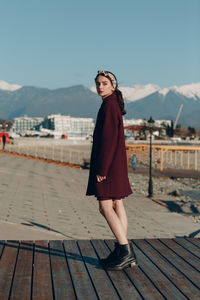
[(168, 269)]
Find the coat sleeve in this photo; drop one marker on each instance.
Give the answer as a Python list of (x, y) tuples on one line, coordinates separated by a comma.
[(108, 138)]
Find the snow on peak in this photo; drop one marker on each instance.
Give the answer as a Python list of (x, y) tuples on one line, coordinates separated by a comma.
[(163, 91), (9, 87), (136, 91), (189, 90), (139, 91)]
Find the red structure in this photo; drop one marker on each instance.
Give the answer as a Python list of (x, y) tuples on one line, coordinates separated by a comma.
[(7, 137), (141, 129)]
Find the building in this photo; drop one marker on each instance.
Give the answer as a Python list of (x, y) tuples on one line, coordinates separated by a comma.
[(60, 124), (139, 128), (25, 123), (145, 122), (133, 122), (69, 125)]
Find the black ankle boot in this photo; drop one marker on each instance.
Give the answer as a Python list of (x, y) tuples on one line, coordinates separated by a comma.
[(133, 252), (124, 259), (112, 256)]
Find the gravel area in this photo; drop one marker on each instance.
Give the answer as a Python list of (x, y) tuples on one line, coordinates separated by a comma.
[(185, 192)]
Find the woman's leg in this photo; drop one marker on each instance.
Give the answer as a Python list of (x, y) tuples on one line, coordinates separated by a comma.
[(107, 210), (120, 211)]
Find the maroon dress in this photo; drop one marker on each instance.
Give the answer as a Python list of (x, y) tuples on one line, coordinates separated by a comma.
[(108, 156)]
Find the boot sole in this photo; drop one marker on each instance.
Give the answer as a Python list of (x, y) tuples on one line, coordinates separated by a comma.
[(130, 264)]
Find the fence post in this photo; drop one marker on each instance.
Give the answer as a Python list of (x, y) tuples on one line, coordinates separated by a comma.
[(181, 159), (43, 151), (171, 156), (188, 159), (156, 158), (146, 151), (52, 156), (70, 156), (195, 161), (175, 157), (161, 159), (127, 156), (61, 154), (79, 157), (35, 151)]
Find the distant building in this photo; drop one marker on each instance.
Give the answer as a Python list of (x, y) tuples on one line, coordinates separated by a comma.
[(143, 122), (22, 124), (133, 122), (59, 123), (139, 128), (69, 125)]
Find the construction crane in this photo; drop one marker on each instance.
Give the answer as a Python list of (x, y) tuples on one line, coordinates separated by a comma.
[(178, 115)]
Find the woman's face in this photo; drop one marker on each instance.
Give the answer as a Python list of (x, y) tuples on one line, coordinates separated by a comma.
[(104, 86)]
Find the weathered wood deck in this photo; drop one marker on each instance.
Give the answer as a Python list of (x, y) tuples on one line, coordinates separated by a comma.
[(168, 269)]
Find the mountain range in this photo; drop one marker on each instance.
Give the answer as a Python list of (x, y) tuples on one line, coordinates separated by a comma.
[(142, 101)]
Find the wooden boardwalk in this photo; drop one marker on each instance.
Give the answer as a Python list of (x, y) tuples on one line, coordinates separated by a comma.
[(168, 269)]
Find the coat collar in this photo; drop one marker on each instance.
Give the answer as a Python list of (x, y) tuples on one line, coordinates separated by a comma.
[(112, 96)]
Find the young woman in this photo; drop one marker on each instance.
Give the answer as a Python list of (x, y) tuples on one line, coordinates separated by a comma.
[(108, 178)]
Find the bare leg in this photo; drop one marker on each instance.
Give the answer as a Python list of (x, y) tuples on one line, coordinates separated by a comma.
[(107, 210), (121, 213)]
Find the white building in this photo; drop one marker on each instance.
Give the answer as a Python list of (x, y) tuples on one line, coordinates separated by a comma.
[(25, 123), (142, 122), (133, 122), (69, 125)]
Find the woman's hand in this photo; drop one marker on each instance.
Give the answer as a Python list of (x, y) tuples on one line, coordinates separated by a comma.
[(100, 178)]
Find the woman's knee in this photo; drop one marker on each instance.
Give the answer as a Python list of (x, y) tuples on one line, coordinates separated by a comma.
[(105, 207), (117, 203)]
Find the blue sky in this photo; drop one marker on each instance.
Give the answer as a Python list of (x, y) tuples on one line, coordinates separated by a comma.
[(60, 43)]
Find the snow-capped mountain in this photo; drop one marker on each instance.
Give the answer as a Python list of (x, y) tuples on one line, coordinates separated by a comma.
[(139, 91), (165, 104), (189, 90), (135, 92), (142, 101), (5, 86)]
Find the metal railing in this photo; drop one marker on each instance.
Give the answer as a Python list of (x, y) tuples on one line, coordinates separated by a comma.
[(163, 156), (57, 153)]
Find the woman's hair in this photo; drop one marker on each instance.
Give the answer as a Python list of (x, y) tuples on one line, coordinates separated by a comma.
[(120, 101), (114, 83)]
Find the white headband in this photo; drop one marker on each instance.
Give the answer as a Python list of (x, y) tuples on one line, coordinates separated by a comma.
[(110, 76)]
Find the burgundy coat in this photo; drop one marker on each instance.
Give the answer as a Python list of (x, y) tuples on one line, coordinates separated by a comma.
[(108, 157)]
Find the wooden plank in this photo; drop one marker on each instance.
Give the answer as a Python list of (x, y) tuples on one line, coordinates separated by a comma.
[(189, 246), (21, 288), (121, 282), (101, 280), (173, 267), (184, 253), (152, 268), (42, 284), (62, 283), (189, 272), (1, 247), (166, 270), (81, 280), (7, 268), (196, 241), (142, 283)]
